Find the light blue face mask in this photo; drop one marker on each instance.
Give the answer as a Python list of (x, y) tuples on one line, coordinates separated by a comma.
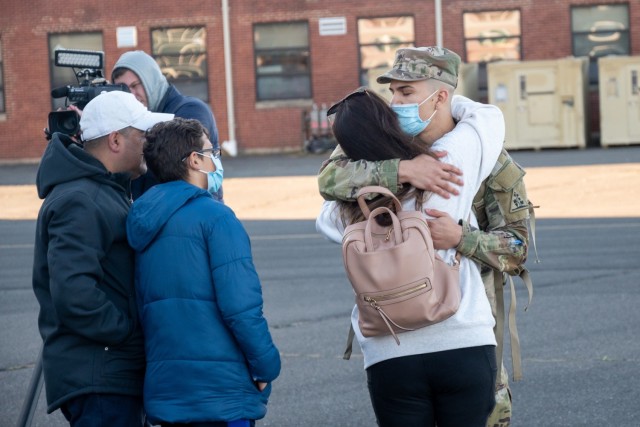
[(214, 178), (409, 117)]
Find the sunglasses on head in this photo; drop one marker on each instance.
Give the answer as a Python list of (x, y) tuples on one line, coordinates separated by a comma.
[(360, 91)]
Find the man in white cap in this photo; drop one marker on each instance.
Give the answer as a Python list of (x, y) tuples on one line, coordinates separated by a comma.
[(93, 353)]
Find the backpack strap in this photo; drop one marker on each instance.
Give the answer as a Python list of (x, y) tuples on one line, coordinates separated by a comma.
[(516, 357), (350, 337), (532, 227), (360, 196), (499, 328)]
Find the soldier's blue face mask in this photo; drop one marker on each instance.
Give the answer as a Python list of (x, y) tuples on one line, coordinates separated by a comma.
[(409, 116)]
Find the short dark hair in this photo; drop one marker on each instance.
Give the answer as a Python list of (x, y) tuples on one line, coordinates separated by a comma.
[(118, 72), (168, 143), (368, 129)]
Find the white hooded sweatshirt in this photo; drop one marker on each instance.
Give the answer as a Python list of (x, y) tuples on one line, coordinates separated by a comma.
[(473, 146)]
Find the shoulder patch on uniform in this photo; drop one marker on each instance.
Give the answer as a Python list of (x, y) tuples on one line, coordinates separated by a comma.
[(508, 177), (517, 201)]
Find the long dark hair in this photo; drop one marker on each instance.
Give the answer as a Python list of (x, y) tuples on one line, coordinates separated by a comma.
[(368, 129)]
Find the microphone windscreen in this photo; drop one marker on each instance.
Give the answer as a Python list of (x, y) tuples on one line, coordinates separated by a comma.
[(60, 92)]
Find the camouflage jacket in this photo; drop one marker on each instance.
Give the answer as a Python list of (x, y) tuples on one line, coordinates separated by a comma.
[(501, 206)]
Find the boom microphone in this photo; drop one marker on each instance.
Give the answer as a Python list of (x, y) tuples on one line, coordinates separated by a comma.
[(60, 92)]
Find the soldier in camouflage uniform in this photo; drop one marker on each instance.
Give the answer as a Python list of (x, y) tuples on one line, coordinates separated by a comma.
[(500, 206)]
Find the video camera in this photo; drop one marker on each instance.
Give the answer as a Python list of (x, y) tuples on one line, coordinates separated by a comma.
[(87, 66)]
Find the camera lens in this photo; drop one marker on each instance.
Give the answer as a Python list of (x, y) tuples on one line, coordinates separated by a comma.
[(67, 122)]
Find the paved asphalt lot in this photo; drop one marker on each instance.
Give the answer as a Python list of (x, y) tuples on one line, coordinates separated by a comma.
[(579, 337), (296, 164)]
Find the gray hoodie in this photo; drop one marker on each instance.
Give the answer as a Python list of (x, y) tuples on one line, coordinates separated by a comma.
[(146, 68)]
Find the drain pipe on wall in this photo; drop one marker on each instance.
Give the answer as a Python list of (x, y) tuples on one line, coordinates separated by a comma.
[(438, 13), (230, 146)]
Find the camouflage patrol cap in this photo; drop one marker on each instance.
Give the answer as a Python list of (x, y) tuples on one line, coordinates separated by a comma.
[(422, 63)]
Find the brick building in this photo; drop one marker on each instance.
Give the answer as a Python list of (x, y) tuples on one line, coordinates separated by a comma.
[(284, 56)]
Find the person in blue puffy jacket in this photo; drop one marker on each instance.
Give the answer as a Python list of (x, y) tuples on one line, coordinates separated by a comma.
[(210, 356)]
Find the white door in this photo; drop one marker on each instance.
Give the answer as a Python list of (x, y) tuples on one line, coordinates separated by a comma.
[(537, 112), (632, 75)]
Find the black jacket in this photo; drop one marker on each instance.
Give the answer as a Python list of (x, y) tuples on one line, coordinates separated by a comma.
[(83, 278)]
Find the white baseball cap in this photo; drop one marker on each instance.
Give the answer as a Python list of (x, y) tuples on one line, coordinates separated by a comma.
[(116, 110)]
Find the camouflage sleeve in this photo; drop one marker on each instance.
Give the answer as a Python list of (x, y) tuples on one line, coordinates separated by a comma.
[(502, 210), (503, 249), (340, 178)]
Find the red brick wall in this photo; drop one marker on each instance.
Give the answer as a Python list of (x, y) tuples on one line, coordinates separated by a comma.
[(334, 63), (24, 29)]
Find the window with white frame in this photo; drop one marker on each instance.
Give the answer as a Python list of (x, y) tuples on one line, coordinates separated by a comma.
[(492, 35), (600, 30), (378, 40), (181, 53), (63, 76), (283, 70)]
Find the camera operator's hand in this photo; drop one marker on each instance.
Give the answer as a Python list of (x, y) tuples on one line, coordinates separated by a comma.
[(76, 109), (74, 137)]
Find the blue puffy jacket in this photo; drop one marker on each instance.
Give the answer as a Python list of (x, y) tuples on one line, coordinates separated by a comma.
[(200, 304)]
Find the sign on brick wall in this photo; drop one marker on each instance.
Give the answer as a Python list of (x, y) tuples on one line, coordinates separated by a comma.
[(333, 26)]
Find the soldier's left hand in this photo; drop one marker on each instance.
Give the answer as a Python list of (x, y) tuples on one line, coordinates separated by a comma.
[(445, 231)]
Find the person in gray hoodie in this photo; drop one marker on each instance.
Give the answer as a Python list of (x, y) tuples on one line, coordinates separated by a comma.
[(83, 268), (143, 76)]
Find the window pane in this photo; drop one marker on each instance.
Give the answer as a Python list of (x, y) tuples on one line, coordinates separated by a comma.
[(183, 66), (491, 36), (491, 24), (489, 50), (379, 56), (587, 45), (181, 55), (379, 38), (62, 76), (289, 87), (284, 35), (605, 18), (193, 88), (178, 41), (282, 62), (396, 29)]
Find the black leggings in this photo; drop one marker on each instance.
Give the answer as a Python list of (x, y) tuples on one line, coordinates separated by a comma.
[(454, 388)]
